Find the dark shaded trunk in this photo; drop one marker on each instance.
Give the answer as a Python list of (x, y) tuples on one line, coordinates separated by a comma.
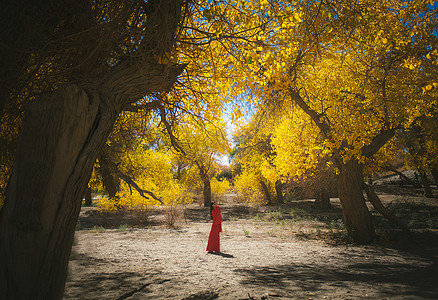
[(357, 218), (203, 172), (110, 180), (426, 185), (88, 199), (378, 205), (322, 200), (63, 133), (266, 193), (434, 171), (207, 191), (279, 191)]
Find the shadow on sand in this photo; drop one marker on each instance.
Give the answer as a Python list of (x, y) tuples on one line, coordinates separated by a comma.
[(226, 255), (417, 281)]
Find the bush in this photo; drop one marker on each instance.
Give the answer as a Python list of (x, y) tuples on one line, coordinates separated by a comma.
[(219, 187), (248, 188), (172, 215)]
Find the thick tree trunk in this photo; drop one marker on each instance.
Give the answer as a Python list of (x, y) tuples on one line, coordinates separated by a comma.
[(63, 133), (88, 199), (357, 218), (279, 191), (207, 191), (426, 185)]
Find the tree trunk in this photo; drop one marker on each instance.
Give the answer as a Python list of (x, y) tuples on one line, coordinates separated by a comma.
[(426, 186), (63, 132), (357, 218), (207, 191), (266, 192), (110, 180), (279, 191), (322, 200), (434, 171), (88, 199)]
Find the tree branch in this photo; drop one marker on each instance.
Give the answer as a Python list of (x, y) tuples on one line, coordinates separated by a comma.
[(173, 139), (322, 125), (378, 205), (130, 181), (378, 142)]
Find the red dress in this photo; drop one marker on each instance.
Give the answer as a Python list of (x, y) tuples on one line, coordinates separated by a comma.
[(216, 228)]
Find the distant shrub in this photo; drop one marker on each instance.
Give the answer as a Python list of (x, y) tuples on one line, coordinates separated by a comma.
[(219, 187), (248, 188)]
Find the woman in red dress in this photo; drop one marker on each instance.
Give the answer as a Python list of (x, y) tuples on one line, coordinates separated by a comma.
[(216, 228)]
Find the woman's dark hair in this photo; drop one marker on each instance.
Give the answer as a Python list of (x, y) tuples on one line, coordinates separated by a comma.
[(211, 209)]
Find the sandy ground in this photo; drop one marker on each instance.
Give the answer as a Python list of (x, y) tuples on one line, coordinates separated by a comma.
[(262, 257)]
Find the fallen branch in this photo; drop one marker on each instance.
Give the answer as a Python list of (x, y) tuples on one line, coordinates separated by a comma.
[(405, 178)]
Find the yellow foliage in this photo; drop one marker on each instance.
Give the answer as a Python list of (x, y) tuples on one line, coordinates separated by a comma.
[(152, 171), (219, 187), (248, 188)]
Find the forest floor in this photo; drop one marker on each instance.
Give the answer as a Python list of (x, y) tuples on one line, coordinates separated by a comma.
[(292, 251)]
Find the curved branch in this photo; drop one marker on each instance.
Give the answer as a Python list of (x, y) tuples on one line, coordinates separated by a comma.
[(130, 181), (173, 139), (378, 142), (322, 125)]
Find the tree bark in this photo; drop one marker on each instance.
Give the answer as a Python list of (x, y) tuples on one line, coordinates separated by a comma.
[(62, 135), (322, 200), (279, 191), (110, 180), (357, 218), (88, 199), (266, 192), (426, 185), (63, 132), (207, 191), (434, 171)]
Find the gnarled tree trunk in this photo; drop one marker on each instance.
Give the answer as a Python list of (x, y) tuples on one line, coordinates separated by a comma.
[(62, 134), (357, 218), (203, 172)]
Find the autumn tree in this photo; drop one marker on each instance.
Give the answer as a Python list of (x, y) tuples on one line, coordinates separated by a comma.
[(78, 65), (420, 141), (200, 143), (354, 70), (255, 155)]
